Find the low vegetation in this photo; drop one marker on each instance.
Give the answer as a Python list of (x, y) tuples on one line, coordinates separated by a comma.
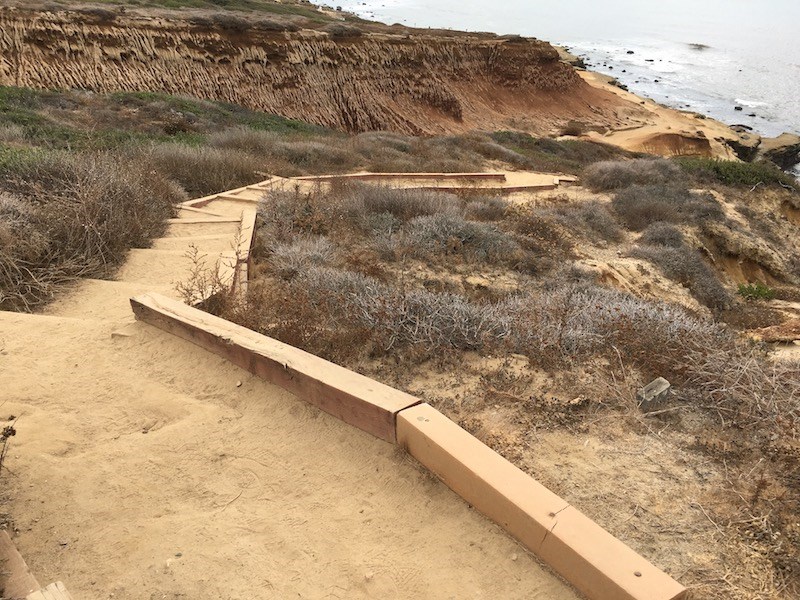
[(640, 205), (333, 288), (614, 174), (400, 283), (756, 291), (64, 216), (116, 163), (735, 173)]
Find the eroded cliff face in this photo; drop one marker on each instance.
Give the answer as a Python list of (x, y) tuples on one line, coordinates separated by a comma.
[(419, 83)]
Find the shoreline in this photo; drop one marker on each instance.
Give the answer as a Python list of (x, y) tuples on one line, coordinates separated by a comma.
[(666, 130), (675, 132)]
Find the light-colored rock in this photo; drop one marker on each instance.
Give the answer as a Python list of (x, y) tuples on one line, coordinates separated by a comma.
[(654, 394)]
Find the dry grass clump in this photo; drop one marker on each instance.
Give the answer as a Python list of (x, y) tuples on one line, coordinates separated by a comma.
[(662, 234), (316, 156), (665, 246), (244, 138), (11, 132), (72, 216), (618, 174), (202, 170), (288, 260), (592, 219), (443, 233), (747, 388), (342, 31), (486, 209), (686, 266), (342, 314), (639, 205), (574, 321), (543, 235), (359, 201)]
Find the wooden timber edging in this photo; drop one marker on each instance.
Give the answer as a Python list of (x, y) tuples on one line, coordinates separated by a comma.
[(599, 565), (504, 189), (409, 176), (54, 591), (349, 396), (201, 202), (245, 238), (17, 580)]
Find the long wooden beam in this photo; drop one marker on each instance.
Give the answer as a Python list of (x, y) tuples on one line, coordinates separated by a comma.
[(17, 580), (349, 396), (590, 558)]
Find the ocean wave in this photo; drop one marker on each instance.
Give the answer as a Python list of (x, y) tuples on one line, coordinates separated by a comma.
[(751, 103)]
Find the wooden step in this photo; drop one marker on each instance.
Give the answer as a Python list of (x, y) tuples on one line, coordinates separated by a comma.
[(102, 300), (355, 399), (54, 591)]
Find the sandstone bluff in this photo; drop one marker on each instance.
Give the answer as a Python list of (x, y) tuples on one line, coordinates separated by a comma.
[(409, 81)]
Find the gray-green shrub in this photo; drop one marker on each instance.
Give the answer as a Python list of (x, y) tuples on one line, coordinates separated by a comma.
[(452, 234), (639, 205)]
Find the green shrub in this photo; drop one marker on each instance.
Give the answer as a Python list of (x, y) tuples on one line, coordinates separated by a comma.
[(756, 291), (735, 173)]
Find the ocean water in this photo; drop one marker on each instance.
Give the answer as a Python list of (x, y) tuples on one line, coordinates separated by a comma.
[(708, 56)]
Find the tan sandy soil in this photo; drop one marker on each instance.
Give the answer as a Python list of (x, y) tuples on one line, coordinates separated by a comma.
[(642, 478), (147, 468), (660, 130)]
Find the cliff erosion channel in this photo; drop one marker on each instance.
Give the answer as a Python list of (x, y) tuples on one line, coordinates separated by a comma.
[(408, 81)]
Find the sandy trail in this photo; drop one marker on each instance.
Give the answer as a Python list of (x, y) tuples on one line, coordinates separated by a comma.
[(142, 469)]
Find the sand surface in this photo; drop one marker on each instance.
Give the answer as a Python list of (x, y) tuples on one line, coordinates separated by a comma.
[(145, 467), (657, 129)]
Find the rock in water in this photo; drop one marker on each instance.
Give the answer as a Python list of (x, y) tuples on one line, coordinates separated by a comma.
[(654, 395)]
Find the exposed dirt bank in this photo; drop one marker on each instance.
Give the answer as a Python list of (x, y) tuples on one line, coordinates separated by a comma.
[(414, 82)]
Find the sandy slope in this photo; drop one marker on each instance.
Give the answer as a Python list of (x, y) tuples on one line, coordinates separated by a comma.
[(657, 129), (142, 469)]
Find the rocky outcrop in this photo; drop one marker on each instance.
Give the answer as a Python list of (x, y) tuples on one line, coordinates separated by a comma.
[(410, 83), (783, 150), (746, 145)]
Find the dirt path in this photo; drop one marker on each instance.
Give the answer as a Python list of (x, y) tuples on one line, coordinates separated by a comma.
[(145, 467)]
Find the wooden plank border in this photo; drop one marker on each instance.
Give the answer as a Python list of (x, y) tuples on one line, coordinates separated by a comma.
[(246, 236), (355, 399), (54, 591), (590, 558), (411, 176), (18, 581)]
